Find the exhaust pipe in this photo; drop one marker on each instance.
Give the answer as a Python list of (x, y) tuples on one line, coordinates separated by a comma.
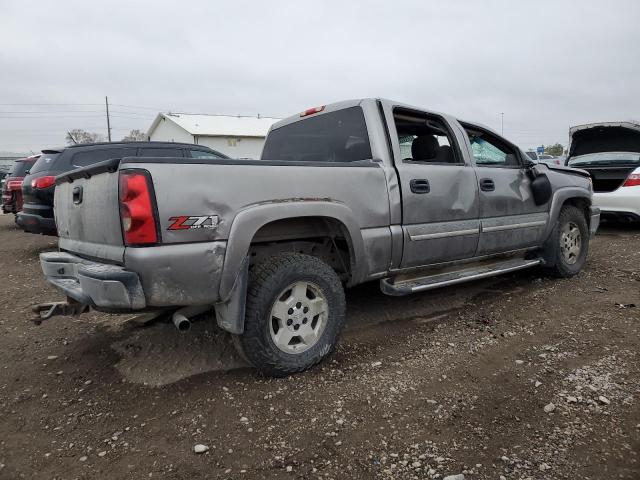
[(181, 322)]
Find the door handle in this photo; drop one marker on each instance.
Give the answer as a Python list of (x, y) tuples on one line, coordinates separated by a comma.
[(487, 185), (420, 185)]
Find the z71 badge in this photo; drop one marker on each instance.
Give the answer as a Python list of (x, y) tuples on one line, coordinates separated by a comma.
[(192, 222)]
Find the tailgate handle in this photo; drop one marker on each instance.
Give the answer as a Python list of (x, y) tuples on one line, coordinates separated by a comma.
[(77, 195)]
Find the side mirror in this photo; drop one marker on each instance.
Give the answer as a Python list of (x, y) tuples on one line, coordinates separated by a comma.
[(529, 164)]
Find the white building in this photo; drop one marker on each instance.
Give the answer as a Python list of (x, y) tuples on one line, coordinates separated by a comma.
[(237, 137)]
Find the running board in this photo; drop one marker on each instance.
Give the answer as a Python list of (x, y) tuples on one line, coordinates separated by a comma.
[(421, 284)]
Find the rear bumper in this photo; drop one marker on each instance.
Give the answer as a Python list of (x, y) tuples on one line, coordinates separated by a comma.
[(8, 203), (621, 204), (8, 208), (36, 224), (153, 277), (97, 284)]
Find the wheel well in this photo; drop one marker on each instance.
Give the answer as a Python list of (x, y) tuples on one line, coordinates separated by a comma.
[(325, 238), (582, 204)]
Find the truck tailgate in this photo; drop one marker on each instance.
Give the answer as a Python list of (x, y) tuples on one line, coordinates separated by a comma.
[(88, 217)]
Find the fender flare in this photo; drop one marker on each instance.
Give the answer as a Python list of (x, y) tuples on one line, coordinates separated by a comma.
[(250, 220), (560, 196)]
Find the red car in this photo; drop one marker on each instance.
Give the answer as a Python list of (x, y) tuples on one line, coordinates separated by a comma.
[(12, 189)]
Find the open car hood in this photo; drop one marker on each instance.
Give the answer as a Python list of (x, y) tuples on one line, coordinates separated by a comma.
[(604, 137)]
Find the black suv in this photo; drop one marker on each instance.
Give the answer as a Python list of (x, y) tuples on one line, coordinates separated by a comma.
[(39, 185)]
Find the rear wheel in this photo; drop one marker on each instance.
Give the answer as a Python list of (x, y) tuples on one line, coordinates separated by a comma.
[(295, 311), (568, 247)]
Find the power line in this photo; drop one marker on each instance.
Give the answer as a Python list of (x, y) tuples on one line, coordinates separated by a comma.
[(46, 104)]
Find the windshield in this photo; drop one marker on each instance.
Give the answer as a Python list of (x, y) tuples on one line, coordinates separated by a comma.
[(604, 158), (45, 162), (19, 168)]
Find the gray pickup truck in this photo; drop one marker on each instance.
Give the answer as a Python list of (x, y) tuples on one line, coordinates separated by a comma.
[(344, 194)]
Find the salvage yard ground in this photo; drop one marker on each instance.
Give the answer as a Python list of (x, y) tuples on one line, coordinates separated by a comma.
[(521, 376)]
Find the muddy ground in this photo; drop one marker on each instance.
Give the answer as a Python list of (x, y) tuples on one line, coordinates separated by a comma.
[(519, 377)]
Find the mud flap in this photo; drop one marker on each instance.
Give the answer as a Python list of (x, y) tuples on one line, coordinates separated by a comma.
[(550, 248), (230, 314)]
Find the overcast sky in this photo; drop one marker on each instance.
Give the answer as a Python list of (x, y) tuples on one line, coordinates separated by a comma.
[(546, 64)]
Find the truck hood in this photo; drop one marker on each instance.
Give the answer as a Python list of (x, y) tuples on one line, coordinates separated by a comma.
[(604, 137)]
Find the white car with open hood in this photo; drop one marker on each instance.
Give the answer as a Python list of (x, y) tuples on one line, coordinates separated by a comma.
[(610, 152)]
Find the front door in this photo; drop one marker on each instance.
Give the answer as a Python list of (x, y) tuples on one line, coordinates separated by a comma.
[(509, 217), (440, 205)]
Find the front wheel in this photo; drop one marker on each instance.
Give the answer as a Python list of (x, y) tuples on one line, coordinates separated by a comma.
[(569, 244), (294, 314)]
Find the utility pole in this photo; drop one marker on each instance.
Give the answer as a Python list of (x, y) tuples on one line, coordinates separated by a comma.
[(106, 102), (501, 122)]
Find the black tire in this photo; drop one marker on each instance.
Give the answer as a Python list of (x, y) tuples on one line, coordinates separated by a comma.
[(558, 265), (268, 280)]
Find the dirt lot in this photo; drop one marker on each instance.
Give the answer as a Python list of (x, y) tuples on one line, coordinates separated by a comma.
[(458, 381)]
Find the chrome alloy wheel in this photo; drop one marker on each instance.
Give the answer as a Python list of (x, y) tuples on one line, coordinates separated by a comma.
[(570, 242), (298, 317)]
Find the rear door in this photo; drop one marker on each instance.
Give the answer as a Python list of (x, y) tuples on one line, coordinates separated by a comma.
[(509, 217), (440, 204)]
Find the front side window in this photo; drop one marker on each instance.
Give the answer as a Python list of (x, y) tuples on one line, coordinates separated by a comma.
[(203, 154), (339, 136), (490, 151)]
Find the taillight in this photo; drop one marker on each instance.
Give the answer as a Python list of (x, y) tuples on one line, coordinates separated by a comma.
[(311, 111), (136, 208), (632, 180), (14, 184), (43, 182)]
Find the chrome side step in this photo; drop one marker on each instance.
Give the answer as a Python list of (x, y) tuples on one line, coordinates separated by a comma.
[(429, 282)]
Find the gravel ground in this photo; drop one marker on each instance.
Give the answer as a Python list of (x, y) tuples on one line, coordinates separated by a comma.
[(518, 377)]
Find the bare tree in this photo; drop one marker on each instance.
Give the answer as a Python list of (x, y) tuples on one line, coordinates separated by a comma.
[(135, 136), (78, 135)]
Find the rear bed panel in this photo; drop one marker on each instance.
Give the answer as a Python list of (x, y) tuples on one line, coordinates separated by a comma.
[(222, 189)]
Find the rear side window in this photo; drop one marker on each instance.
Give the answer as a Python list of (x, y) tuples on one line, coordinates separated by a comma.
[(331, 137), (160, 152), (203, 154), (83, 159), (45, 162), (19, 168)]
